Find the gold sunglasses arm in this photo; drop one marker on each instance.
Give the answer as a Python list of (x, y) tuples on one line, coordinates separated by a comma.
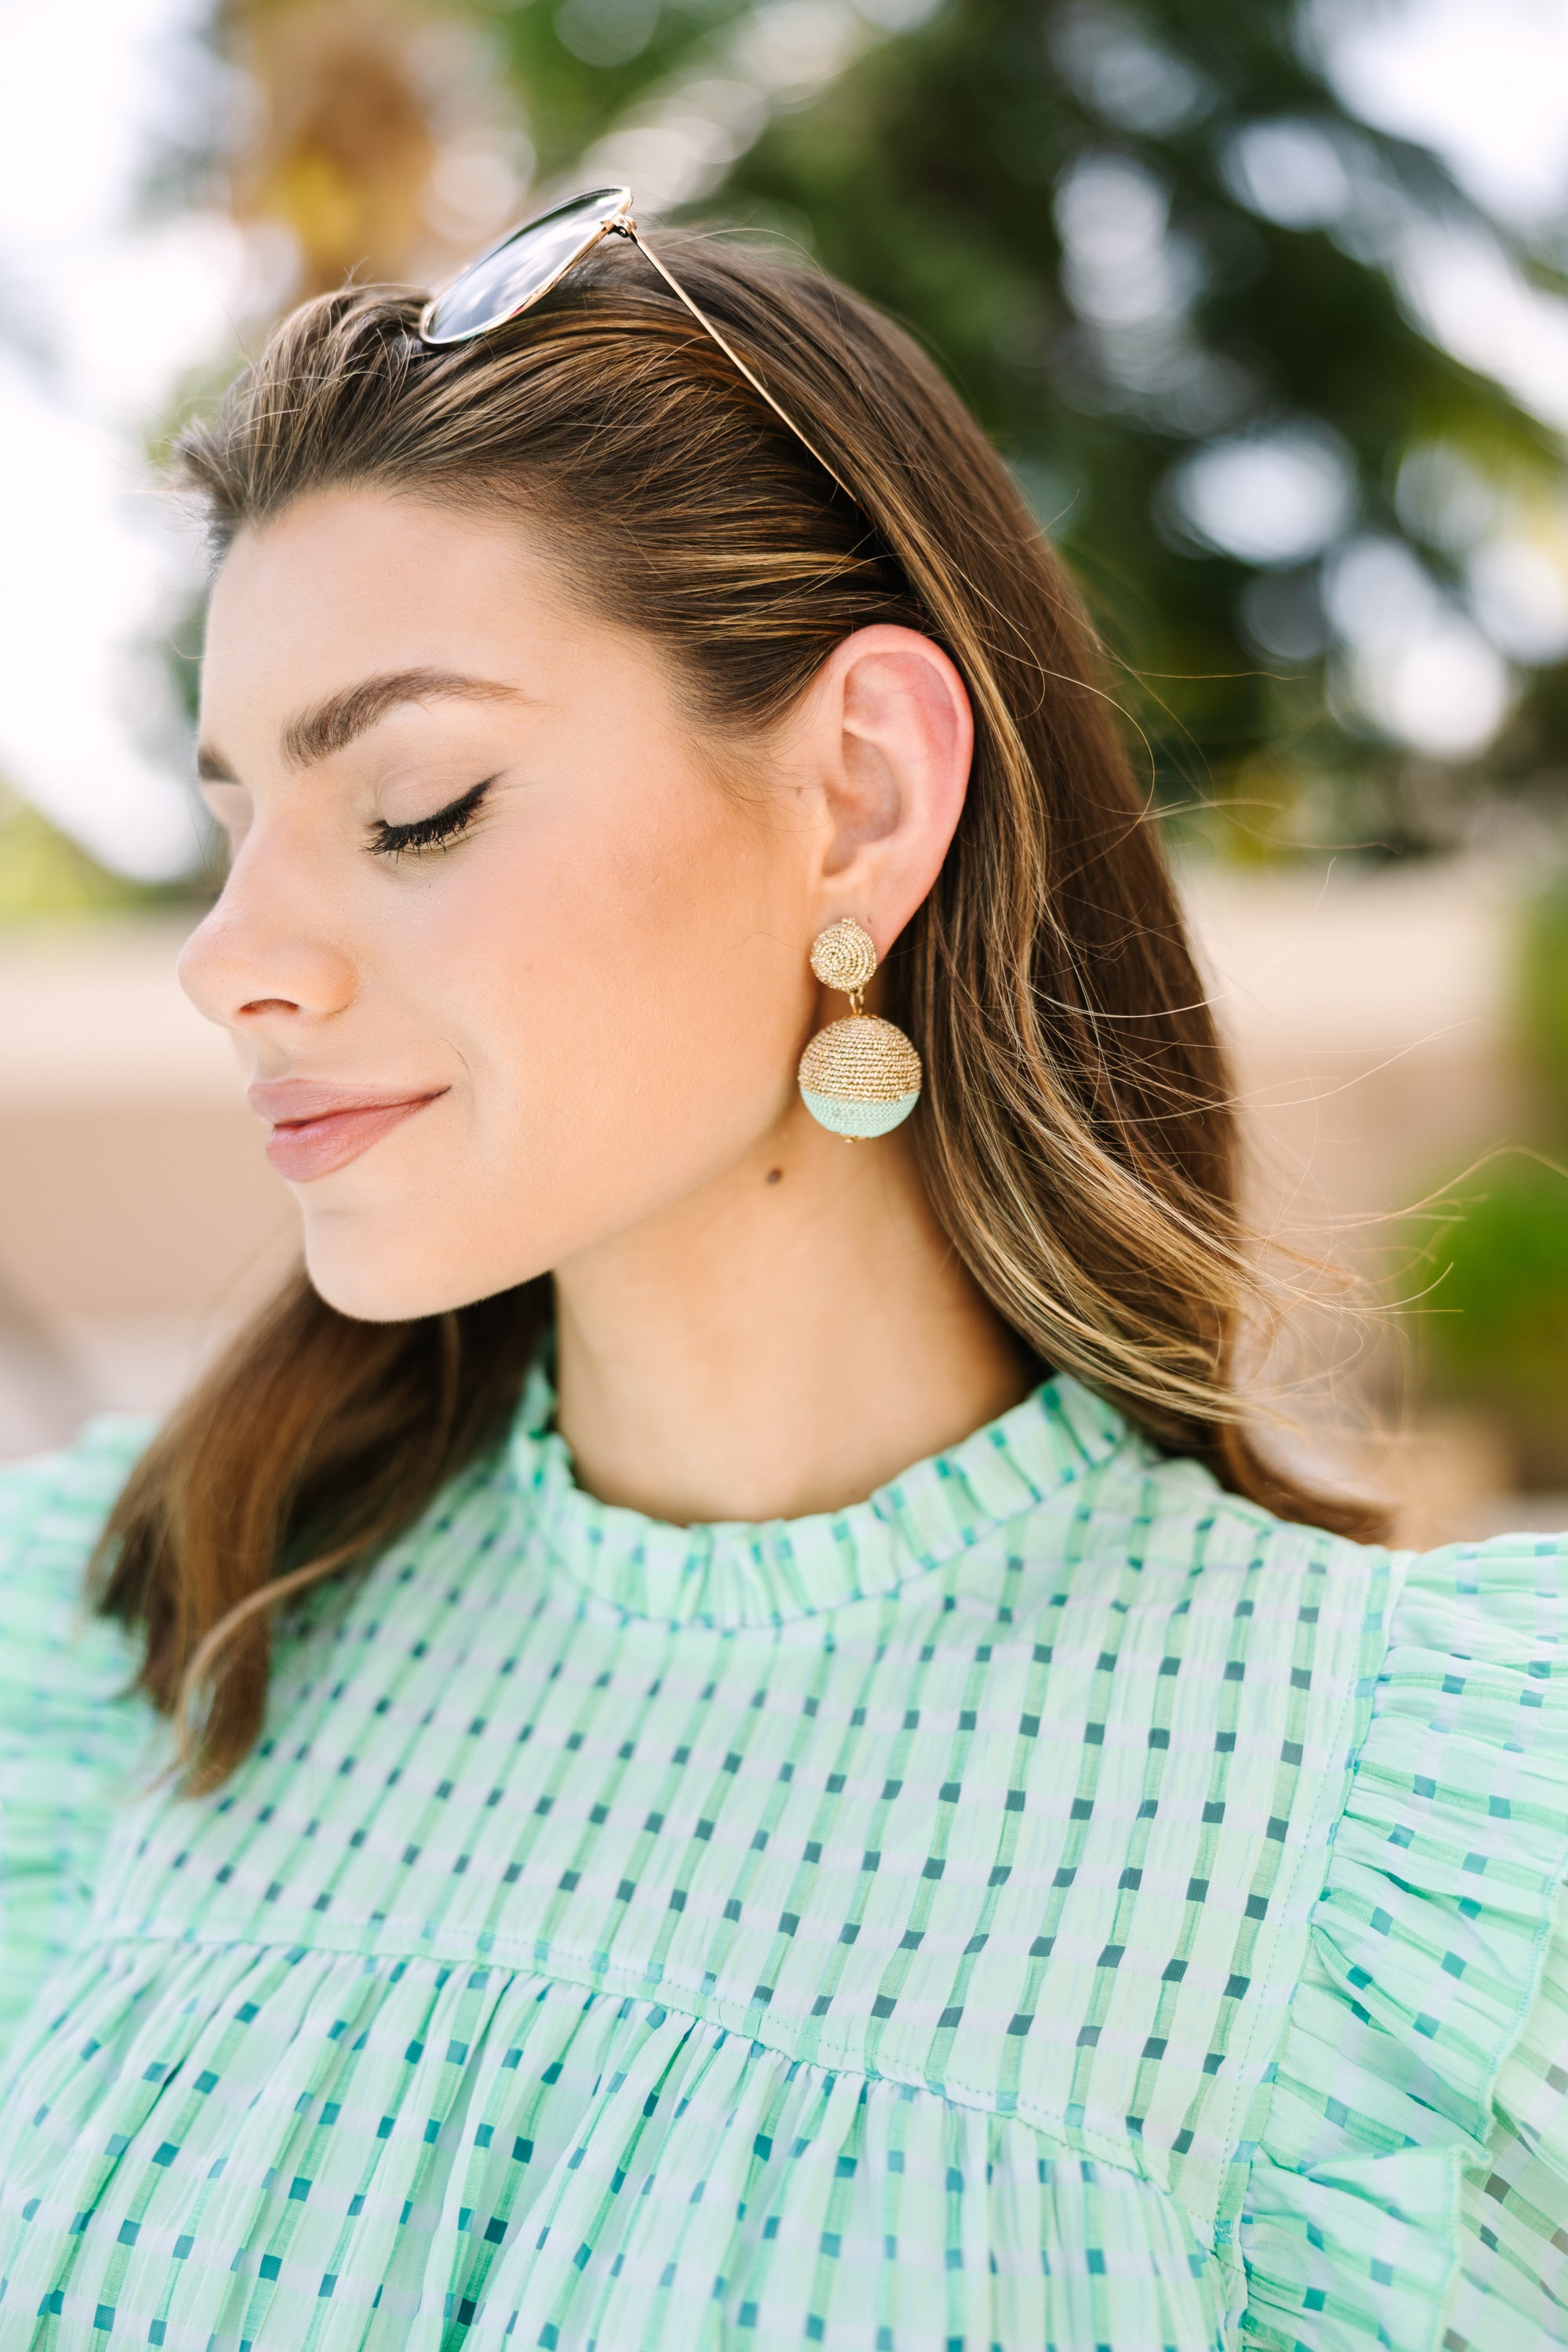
[(628, 228)]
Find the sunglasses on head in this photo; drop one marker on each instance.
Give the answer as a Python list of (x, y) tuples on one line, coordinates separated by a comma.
[(530, 262)]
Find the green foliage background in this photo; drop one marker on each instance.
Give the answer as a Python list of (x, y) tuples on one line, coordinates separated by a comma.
[(929, 175), (1497, 1325)]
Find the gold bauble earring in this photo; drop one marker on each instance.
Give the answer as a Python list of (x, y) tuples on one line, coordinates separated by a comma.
[(860, 1077)]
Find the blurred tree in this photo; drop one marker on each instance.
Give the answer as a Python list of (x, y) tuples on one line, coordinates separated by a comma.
[(376, 139), (345, 145), (1172, 276), (44, 874), (1495, 1317)]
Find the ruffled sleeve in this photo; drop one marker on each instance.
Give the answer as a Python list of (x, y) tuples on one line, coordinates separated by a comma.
[(1410, 2187), (70, 1737)]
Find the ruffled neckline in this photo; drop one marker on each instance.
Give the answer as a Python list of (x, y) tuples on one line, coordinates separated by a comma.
[(732, 1573)]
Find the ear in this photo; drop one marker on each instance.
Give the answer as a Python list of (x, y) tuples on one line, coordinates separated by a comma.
[(888, 736)]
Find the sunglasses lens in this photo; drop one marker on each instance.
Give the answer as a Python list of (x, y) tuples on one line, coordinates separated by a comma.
[(517, 271)]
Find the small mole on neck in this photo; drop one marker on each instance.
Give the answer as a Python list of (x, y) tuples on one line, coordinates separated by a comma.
[(774, 1176)]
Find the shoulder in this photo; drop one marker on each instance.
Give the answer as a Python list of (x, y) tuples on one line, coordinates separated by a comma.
[(1455, 1836), (1170, 1510), (69, 1729), (66, 1495), (52, 1513), (1433, 1958), (1212, 1618), (1157, 1535), (1466, 1750), (1457, 1659), (1075, 1458), (1501, 1600), (53, 1508)]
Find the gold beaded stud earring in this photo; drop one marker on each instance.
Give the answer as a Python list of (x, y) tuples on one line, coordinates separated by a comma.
[(860, 1077)]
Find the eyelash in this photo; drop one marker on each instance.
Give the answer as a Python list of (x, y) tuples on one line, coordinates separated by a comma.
[(443, 826)]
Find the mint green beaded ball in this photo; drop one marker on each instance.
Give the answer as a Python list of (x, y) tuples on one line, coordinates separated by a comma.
[(860, 1078)]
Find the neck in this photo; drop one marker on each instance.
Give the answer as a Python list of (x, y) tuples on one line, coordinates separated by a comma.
[(777, 1343)]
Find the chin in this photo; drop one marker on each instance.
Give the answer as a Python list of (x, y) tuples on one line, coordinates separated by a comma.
[(379, 1277)]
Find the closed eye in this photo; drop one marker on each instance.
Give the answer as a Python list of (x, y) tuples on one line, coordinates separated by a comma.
[(433, 831)]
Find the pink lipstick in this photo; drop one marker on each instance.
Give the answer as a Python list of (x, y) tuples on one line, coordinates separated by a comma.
[(318, 1127)]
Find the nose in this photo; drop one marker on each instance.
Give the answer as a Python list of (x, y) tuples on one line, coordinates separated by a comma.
[(268, 955)]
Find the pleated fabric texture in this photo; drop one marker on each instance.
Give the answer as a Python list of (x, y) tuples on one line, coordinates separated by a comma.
[(1050, 1904)]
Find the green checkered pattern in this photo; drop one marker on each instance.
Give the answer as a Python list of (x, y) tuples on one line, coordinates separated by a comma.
[(1050, 1904)]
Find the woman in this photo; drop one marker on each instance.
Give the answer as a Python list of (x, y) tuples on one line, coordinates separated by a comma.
[(556, 1832)]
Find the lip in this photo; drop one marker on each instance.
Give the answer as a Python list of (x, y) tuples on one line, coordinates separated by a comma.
[(318, 1127)]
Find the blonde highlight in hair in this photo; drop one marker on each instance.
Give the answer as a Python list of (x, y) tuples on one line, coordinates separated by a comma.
[(1075, 1135)]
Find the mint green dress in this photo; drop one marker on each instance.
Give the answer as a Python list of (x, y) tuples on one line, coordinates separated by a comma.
[(1051, 1905)]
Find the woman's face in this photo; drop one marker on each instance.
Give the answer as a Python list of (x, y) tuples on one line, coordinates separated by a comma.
[(511, 966)]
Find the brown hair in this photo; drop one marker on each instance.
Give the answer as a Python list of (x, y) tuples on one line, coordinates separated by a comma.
[(1076, 1134)]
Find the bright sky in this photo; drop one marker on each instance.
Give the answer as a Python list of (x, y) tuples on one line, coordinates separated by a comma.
[(96, 570), (1484, 81)]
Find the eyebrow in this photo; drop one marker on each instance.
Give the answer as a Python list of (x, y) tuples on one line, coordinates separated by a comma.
[(330, 725)]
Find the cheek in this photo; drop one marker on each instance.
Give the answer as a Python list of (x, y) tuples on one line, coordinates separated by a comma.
[(622, 1008), (641, 975)]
